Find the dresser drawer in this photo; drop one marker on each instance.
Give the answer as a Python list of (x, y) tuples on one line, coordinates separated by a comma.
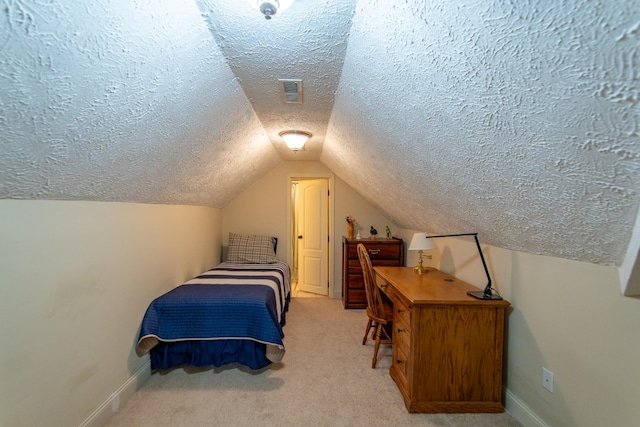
[(356, 282), (358, 296), (354, 267), (377, 251)]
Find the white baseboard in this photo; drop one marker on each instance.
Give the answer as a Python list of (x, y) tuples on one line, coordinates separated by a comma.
[(522, 412), (101, 415)]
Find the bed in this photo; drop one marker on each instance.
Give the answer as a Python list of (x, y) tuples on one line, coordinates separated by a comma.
[(232, 313)]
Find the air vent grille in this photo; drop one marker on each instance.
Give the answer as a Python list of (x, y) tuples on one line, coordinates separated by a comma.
[(291, 90)]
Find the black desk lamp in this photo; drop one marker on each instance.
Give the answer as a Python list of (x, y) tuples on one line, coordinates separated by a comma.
[(486, 293)]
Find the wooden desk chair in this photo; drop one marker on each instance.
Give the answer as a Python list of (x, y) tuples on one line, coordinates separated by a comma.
[(379, 311)]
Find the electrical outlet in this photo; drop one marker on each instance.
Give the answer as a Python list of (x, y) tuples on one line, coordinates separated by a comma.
[(547, 379)]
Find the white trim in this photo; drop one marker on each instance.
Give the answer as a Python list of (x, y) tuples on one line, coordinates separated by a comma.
[(522, 412), (334, 288), (103, 413)]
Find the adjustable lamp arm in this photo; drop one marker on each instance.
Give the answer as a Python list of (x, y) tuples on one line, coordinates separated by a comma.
[(486, 293)]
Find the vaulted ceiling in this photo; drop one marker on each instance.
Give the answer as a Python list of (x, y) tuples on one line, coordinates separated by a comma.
[(517, 120)]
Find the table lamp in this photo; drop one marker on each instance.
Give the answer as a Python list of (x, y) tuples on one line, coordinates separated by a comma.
[(420, 243), (486, 292)]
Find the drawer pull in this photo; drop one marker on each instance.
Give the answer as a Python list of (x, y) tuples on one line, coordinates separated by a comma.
[(399, 361), (400, 330), (400, 310), (374, 251)]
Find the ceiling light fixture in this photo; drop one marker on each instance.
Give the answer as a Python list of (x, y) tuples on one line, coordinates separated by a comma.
[(295, 139), (270, 7)]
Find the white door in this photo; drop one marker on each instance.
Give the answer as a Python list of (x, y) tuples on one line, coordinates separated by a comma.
[(313, 236)]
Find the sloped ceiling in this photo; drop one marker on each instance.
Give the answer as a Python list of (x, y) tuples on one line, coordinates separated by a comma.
[(518, 120)]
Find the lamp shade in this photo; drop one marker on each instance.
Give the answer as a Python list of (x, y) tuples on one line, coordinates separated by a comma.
[(419, 242), (295, 139)]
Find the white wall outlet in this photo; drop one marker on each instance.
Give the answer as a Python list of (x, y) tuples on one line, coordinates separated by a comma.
[(547, 379)]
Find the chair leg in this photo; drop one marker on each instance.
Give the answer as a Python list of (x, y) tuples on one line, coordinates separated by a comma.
[(377, 345), (369, 326)]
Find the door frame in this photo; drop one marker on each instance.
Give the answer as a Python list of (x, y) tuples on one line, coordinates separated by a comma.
[(330, 256)]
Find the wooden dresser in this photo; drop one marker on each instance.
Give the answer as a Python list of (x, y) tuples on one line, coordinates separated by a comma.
[(381, 251), (447, 346)]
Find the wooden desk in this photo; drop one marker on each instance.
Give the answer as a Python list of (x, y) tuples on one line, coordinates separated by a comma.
[(447, 346)]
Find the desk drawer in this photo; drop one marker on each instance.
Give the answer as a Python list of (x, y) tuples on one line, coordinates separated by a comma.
[(401, 362), (402, 336), (402, 313), (384, 287)]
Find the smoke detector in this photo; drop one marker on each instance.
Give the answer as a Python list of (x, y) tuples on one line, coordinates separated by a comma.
[(270, 7)]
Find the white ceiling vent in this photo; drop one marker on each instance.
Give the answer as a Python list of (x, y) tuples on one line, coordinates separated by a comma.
[(291, 90)]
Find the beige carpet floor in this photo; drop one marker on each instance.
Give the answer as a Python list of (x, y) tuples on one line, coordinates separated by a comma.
[(325, 379)]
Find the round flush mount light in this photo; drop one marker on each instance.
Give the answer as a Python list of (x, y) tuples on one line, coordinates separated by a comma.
[(270, 7), (295, 139)]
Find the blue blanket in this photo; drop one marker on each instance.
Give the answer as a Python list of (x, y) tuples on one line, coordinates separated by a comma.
[(202, 312), (277, 275)]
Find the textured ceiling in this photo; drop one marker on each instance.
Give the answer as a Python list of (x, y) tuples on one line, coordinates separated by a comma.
[(518, 120), (307, 42), (124, 101)]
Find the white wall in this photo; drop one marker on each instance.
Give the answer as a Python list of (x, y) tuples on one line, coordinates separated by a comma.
[(75, 280), (567, 316), (262, 209), (76, 277)]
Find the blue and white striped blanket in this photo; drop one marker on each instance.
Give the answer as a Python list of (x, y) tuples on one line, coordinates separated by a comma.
[(276, 275), (228, 302)]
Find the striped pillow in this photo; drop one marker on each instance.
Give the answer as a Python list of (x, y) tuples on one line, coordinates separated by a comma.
[(254, 249)]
